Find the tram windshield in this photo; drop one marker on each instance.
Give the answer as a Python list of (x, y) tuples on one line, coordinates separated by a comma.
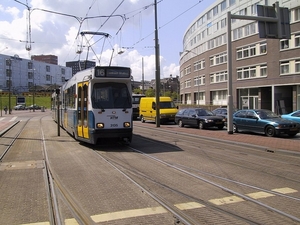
[(110, 95)]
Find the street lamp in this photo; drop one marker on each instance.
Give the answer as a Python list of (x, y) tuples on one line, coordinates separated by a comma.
[(1, 101), (198, 77), (8, 73), (33, 98)]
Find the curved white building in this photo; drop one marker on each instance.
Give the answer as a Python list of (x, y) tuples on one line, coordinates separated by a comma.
[(265, 72)]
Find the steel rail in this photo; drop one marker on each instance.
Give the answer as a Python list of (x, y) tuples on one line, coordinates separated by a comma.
[(219, 186)]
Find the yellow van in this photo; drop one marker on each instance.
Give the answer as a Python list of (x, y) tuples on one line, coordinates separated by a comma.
[(167, 111)]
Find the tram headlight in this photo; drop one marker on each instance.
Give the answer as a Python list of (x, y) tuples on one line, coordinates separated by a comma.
[(100, 125), (126, 124)]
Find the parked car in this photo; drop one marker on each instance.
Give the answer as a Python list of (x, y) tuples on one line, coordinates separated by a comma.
[(34, 107), (295, 116), (223, 112), (263, 121), (20, 107), (198, 117)]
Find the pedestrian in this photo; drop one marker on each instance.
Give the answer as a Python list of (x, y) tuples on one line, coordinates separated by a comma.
[(5, 109)]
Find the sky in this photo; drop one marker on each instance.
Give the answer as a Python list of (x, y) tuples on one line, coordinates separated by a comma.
[(126, 31)]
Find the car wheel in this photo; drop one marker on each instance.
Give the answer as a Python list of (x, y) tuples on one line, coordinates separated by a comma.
[(142, 119), (270, 131), (235, 129), (201, 125), (180, 124)]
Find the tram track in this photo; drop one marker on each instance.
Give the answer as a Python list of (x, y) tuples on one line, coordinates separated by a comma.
[(57, 190), (11, 139), (229, 152), (182, 178), (134, 173)]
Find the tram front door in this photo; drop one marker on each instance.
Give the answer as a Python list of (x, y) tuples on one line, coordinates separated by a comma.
[(82, 110)]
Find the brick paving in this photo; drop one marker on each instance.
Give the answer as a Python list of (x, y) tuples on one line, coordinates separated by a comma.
[(283, 143), (274, 144)]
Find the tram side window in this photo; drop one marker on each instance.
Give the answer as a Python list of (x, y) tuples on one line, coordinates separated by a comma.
[(70, 97)]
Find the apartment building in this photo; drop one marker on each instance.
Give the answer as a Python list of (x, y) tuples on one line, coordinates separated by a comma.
[(19, 75), (265, 72)]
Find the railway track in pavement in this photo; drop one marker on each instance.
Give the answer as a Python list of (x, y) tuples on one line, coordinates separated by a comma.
[(161, 178), (244, 203)]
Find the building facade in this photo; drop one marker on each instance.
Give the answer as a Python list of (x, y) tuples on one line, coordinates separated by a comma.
[(265, 72), (80, 65), (52, 59), (19, 75)]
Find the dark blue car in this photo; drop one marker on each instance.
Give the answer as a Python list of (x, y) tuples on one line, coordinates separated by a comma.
[(263, 121)]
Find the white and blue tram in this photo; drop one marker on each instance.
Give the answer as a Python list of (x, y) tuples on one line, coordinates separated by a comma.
[(96, 104)]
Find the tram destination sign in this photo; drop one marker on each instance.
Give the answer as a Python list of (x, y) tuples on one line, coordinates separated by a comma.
[(113, 72)]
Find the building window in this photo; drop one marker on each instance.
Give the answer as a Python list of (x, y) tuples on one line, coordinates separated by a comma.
[(187, 70), (297, 40), (215, 11), (63, 71), (263, 48), (263, 70), (254, 9), (209, 15), (47, 68), (246, 52), (187, 83), (240, 32), (8, 83), (223, 23), (252, 28), (211, 44), (8, 72), (297, 14), (284, 44), (199, 65), (235, 34), (48, 77), (251, 72), (243, 12), (218, 77), (297, 66), (284, 67), (231, 2), (197, 81), (30, 65), (223, 5), (30, 75)]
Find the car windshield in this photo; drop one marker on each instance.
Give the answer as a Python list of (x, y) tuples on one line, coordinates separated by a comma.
[(204, 112), (266, 114), (167, 105)]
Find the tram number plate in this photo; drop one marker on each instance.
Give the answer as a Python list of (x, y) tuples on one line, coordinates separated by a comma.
[(114, 125)]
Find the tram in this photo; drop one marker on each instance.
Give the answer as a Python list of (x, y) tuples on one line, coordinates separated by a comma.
[(95, 104)]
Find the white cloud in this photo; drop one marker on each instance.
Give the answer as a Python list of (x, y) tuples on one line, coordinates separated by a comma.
[(53, 33)]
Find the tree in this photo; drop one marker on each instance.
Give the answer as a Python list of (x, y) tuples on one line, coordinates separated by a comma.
[(137, 91), (150, 92)]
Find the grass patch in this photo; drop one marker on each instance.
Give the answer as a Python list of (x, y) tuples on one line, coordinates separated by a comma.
[(38, 100)]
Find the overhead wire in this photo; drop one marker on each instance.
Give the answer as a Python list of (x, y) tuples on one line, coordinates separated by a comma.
[(123, 17)]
